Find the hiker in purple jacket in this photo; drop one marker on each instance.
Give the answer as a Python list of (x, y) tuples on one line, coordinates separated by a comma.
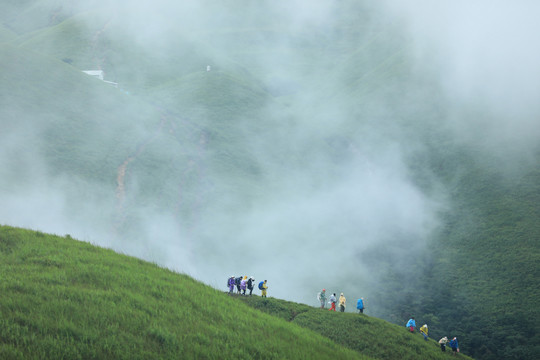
[(230, 284)]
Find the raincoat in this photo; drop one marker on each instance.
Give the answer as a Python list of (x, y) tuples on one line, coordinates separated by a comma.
[(333, 302), (424, 331), (411, 324), (250, 285), (443, 342), (322, 298), (454, 344), (230, 283), (342, 301)]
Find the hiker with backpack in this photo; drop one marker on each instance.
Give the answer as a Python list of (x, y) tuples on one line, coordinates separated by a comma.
[(443, 342), (360, 305), (237, 283), (342, 301), (454, 345), (411, 324), (250, 284), (243, 284), (263, 287), (322, 298), (333, 302), (230, 284)]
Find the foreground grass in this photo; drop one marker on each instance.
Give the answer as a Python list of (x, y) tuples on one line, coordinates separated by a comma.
[(65, 299)]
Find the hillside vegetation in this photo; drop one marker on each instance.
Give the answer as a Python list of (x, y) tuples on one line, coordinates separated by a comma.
[(62, 298), (66, 299), (320, 141)]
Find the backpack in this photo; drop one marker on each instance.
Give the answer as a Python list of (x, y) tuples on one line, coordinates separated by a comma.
[(237, 280), (261, 285)]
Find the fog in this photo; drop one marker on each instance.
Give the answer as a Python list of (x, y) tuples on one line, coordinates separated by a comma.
[(334, 201), (483, 53)]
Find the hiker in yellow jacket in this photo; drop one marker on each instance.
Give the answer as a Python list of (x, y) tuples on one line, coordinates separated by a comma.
[(424, 331), (342, 301), (264, 287)]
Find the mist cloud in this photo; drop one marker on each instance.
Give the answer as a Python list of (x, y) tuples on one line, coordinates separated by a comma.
[(485, 55), (333, 193)]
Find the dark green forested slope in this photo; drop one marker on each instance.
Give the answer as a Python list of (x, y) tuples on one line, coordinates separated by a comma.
[(490, 257), (478, 280)]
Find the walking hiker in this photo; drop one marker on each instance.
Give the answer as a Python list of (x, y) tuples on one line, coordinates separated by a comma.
[(443, 342), (333, 302), (424, 331), (411, 324), (243, 284), (263, 287), (454, 345), (250, 283), (360, 305), (322, 298), (230, 284), (342, 301), (237, 283)]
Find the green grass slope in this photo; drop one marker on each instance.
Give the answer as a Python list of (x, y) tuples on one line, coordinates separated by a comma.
[(66, 299), (368, 335)]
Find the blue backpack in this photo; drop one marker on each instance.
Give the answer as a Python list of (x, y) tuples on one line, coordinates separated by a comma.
[(261, 285)]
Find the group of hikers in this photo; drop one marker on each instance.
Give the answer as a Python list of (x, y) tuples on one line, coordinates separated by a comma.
[(342, 301), (242, 283), (411, 325), (360, 306)]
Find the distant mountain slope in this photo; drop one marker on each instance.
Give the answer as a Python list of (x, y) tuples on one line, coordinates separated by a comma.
[(6, 35), (489, 255), (58, 106)]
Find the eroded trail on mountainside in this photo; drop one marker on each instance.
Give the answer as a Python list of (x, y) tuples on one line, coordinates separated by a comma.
[(123, 171), (193, 166)]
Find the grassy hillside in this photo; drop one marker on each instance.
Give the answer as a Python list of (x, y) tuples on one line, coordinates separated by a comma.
[(62, 298), (65, 299)]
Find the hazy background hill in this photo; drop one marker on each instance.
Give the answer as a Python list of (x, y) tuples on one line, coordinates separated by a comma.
[(387, 151)]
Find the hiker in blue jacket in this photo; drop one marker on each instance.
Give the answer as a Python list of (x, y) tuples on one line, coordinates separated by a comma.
[(411, 324), (360, 305), (454, 345)]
